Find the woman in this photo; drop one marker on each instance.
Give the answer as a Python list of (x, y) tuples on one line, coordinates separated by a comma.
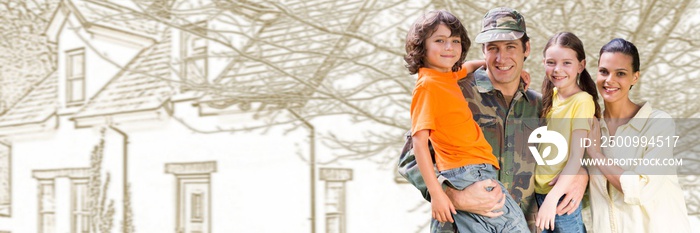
[(628, 196)]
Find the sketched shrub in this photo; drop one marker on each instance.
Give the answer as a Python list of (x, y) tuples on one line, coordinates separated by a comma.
[(101, 215)]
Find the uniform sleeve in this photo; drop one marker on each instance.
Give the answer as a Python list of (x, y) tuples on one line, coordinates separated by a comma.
[(646, 183), (584, 110), (422, 109)]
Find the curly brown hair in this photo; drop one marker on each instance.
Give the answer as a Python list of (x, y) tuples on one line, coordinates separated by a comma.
[(423, 28)]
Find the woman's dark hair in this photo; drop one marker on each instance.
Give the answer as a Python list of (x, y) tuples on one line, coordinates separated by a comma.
[(423, 28), (619, 45), (585, 82)]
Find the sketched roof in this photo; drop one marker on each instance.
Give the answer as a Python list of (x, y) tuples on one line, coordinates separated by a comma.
[(292, 54), (142, 85), (36, 106), (99, 13)]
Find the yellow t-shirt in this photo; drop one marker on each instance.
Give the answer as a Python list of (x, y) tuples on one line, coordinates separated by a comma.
[(565, 116)]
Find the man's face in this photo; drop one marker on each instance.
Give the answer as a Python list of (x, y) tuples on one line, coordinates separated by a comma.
[(504, 60)]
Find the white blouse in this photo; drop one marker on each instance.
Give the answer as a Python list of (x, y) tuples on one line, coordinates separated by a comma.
[(652, 199)]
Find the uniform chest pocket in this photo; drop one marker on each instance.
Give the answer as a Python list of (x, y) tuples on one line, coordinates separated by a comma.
[(485, 121), (521, 138)]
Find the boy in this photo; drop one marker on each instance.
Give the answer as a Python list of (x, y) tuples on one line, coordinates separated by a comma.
[(436, 46)]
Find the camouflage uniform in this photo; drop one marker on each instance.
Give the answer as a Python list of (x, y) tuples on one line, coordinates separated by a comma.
[(506, 128)]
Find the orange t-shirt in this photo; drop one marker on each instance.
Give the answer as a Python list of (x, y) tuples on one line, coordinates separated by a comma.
[(439, 106)]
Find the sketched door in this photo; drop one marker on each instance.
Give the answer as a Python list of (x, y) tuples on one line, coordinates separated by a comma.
[(193, 210)]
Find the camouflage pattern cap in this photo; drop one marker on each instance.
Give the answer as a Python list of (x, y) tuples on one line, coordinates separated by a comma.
[(501, 24)]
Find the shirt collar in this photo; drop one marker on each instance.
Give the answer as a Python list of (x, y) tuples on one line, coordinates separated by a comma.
[(484, 84), (641, 117), (437, 73), (639, 120)]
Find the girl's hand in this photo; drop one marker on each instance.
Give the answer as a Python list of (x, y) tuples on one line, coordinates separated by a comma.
[(545, 217), (442, 207)]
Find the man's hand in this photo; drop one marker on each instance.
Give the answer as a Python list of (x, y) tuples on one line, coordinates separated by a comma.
[(573, 196), (478, 200)]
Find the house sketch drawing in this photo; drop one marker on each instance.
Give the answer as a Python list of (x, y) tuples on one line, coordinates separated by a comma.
[(212, 116), (152, 125)]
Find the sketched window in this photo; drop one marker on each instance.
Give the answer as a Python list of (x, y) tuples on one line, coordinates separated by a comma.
[(335, 207), (193, 51), (80, 212), (75, 77), (47, 219), (197, 207)]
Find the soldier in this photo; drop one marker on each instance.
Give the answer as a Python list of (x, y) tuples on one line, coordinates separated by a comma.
[(507, 113)]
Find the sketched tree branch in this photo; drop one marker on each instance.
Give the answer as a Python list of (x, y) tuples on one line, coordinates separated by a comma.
[(348, 63), (664, 31), (368, 66), (361, 76)]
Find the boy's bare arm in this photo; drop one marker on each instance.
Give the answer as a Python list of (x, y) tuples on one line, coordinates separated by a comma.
[(525, 76), (442, 208), (473, 65)]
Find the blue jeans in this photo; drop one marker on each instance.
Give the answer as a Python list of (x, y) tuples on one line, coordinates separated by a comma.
[(567, 223), (512, 220)]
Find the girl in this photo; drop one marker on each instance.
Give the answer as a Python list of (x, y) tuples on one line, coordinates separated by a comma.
[(569, 101)]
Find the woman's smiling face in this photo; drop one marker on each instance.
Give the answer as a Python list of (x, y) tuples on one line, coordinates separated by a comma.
[(615, 76)]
